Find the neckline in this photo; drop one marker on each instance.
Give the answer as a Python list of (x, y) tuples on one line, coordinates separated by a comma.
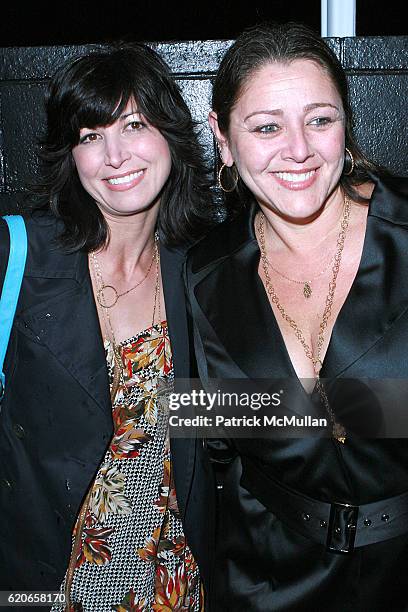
[(135, 337), (350, 297)]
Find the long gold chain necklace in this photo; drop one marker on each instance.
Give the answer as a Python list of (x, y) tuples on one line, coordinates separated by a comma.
[(118, 378), (338, 431), (107, 295)]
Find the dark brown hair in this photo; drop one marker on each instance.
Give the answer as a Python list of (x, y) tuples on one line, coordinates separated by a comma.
[(85, 93)]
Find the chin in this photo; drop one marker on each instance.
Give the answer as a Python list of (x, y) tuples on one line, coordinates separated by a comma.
[(294, 213), (304, 207), (300, 218)]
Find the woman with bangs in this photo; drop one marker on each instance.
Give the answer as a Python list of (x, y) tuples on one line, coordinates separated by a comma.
[(95, 492)]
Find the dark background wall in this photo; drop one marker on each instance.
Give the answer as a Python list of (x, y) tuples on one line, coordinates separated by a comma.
[(87, 21), (377, 67)]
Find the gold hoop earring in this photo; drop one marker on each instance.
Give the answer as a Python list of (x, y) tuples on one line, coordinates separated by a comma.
[(235, 178), (348, 161)]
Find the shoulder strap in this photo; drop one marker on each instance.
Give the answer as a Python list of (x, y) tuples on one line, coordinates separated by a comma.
[(12, 284)]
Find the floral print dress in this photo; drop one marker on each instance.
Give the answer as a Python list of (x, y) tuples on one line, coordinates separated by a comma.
[(131, 553)]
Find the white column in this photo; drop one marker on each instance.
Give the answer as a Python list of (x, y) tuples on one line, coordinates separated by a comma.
[(338, 18)]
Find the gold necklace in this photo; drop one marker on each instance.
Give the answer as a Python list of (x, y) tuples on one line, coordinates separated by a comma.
[(118, 378), (102, 294), (338, 431), (307, 284)]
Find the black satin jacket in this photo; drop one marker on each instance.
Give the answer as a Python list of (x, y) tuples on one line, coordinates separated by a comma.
[(56, 417), (262, 564)]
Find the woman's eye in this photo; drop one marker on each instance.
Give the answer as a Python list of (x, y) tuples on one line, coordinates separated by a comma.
[(269, 128), (91, 137), (134, 126), (320, 121)]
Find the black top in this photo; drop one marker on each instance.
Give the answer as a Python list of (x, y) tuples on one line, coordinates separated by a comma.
[(262, 562)]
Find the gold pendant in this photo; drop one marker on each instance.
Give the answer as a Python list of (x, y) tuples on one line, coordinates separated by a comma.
[(339, 433), (107, 296), (307, 290)]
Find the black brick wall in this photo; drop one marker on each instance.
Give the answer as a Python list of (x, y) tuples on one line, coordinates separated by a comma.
[(377, 68)]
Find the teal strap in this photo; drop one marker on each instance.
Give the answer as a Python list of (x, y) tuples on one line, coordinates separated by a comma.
[(12, 284)]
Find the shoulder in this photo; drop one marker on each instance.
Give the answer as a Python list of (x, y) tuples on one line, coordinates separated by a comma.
[(40, 225), (43, 226), (45, 257), (389, 200), (224, 239), (398, 184)]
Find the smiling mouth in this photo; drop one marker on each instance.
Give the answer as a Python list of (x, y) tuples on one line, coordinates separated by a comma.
[(123, 180), (298, 177)]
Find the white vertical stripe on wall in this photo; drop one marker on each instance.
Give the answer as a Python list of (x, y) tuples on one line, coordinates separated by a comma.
[(338, 18)]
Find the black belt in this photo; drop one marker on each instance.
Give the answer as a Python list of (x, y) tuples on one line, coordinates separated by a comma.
[(338, 526)]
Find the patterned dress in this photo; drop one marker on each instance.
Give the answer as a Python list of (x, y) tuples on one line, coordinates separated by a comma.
[(131, 553)]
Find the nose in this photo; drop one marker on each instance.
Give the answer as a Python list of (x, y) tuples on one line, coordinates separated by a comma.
[(116, 151), (297, 146)]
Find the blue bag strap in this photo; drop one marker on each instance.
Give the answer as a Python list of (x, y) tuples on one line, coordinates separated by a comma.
[(12, 284)]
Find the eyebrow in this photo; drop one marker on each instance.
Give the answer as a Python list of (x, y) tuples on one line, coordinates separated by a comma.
[(277, 111), (307, 108), (121, 118), (135, 112)]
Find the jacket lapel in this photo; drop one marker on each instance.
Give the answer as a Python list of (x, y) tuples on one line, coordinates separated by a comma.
[(171, 263), (379, 295), (63, 317), (232, 298), (183, 450)]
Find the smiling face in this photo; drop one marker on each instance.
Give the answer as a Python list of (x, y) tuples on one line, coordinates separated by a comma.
[(286, 137), (123, 166)]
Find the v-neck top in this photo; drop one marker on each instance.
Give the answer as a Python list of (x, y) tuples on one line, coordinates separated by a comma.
[(133, 554)]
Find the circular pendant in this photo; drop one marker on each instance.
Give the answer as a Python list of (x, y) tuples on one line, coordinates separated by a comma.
[(107, 296), (307, 290)]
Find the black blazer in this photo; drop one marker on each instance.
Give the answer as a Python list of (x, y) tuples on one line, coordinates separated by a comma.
[(234, 329), (56, 417), (263, 564)]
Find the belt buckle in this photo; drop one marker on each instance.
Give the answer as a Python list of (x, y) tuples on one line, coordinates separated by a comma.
[(342, 528)]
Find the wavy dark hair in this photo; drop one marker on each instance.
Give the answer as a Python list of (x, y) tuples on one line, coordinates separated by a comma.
[(274, 42), (93, 91)]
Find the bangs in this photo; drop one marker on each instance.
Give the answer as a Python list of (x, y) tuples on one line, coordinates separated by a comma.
[(94, 90), (99, 111), (99, 100)]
